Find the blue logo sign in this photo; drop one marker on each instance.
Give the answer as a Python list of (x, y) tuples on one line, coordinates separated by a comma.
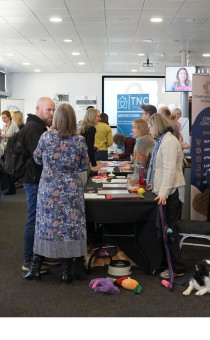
[(129, 109)]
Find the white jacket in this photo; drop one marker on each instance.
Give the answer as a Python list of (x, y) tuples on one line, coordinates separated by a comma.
[(168, 172)]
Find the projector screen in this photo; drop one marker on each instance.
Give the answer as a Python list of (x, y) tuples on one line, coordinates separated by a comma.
[(113, 86)]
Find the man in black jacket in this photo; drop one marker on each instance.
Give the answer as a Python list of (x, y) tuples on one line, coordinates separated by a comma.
[(36, 125)]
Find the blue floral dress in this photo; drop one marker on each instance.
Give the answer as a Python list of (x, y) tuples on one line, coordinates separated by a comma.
[(60, 229)]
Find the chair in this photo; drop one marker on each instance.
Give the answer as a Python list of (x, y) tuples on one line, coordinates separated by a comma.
[(195, 229)]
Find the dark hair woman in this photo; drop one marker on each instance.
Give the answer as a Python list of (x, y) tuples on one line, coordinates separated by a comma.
[(103, 138)]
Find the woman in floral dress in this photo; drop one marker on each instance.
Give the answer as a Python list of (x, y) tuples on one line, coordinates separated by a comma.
[(60, 230)]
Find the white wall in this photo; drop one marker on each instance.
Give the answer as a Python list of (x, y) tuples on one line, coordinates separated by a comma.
[(32, 86)]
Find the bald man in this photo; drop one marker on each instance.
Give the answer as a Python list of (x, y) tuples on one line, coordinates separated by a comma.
[(35, 126), (164, 110)]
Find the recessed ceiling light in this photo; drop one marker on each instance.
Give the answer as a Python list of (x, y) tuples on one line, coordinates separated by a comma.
[(54, 19), (25, 63), (206, 54), (147, 40), (122, 19), (190, 20), (81, 63), (134, 70), (67, 40), (75, 53), (36, 70), (156, 19), (140, 54), (10, 54)]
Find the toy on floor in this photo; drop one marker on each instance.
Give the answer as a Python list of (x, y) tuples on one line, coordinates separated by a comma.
[(165, 283), (104, 285), (128, 283)]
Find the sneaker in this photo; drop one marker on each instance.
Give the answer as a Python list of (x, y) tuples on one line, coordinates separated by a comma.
[(165, 274), (26, 267), (51, 262)]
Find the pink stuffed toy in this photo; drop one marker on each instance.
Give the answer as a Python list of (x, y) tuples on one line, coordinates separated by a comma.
[(104, 286)]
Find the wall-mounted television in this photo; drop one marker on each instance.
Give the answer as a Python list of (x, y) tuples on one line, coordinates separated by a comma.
[(2, 81), (179, 79)]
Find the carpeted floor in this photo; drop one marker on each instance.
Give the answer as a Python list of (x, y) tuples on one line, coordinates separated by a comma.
[(49, 298)]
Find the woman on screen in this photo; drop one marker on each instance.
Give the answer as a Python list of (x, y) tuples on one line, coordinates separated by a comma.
[(182, 80)]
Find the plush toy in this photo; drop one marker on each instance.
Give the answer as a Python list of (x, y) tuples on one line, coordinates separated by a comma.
[(104, 285), (128, 283)]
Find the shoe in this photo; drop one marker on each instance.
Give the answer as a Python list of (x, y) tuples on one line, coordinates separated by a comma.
[(66, 264), (10, 192), (34, 272), (165, 274), (51, 262), (26, 267)]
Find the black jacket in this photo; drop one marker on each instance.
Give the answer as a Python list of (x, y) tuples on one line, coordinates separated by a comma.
[(89, 135), (33, 130)]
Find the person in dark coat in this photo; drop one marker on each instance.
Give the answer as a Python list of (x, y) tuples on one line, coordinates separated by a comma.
[(36, 125)]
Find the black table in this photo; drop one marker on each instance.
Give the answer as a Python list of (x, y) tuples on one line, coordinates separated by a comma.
[(136, 220)]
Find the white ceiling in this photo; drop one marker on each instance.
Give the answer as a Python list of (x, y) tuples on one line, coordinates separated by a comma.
[(108, 34)]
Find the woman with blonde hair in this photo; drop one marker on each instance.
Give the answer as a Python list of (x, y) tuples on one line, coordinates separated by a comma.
[(88, 131), (165, 178), (177, 114), (60, 230), (18, 119)]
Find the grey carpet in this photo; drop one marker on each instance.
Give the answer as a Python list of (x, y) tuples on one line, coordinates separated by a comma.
[(49, 298)]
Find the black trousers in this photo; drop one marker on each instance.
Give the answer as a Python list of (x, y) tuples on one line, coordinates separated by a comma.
[(101, 155), (173, 213)]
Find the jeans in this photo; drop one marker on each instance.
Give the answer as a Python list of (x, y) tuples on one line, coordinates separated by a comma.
[(31, 191)]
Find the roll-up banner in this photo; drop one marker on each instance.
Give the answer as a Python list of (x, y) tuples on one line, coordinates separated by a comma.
[(200, 146), (129, 109)]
